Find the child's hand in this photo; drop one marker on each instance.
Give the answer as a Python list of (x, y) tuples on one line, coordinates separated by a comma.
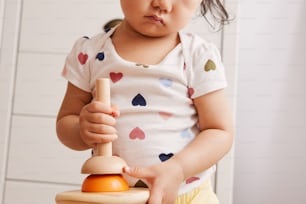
[(163, 179), (97, 122)]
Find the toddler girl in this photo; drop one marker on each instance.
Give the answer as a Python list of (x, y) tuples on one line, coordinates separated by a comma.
[(170, 120)]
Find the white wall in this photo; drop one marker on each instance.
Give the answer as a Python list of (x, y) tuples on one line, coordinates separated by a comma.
[(271, 105), (1, 18)]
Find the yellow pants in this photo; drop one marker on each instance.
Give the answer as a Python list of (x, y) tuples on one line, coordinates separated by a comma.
[(201, 195)]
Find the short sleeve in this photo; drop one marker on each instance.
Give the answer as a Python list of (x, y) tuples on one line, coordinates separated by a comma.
[(207, 71), (77, 69)]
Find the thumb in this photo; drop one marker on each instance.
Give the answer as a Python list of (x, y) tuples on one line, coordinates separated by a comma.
[(138, 172)]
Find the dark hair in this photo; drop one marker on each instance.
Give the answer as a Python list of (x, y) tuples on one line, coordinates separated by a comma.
[(111, 23), (217, 11)]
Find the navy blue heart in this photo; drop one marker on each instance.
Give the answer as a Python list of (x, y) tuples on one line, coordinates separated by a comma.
[(139, 100), (100, 56), (164, 157), (140, 184)]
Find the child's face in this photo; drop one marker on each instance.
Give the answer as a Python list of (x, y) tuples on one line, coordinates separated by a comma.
[(156, 18)]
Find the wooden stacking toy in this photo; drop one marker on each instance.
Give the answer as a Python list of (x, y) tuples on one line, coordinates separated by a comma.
[(105, 184)]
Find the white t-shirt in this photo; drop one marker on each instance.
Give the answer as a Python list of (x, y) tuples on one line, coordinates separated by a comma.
[(157, 115)]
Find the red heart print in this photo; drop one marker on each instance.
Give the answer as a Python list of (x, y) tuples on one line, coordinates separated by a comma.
[(115, 76), (192, 179), (82, 58), (137, 133), (190, 92)]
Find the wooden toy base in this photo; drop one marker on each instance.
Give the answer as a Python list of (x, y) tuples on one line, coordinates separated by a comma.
[(132, 196)]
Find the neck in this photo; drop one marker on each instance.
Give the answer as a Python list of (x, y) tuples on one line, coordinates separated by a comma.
[(134, 46)]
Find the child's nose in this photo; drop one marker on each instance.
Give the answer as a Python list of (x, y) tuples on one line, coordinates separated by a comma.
[(162, 5)]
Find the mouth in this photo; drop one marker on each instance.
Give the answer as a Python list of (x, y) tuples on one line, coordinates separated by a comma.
[(155, 18)]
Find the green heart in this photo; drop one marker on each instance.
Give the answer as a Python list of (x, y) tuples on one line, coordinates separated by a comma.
[(210, 65)]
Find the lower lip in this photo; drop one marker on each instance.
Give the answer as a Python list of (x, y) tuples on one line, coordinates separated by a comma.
[(151, 18)]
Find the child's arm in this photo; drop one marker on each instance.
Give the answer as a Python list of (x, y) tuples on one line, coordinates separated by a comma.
[(78, 111), (215, 138), (213, 142)]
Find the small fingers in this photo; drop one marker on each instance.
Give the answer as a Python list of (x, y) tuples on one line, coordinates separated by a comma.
[(99, 118), (100, 128), (92, 139), (100, 107), (139, 172), (97, 106), (92, 133), (158, 194), (97, 124), (155, 196)]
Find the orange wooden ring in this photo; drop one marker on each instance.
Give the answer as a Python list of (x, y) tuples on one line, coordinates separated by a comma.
[(105, 183)]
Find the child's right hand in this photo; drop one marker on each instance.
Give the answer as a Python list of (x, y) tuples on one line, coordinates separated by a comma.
[(97, 123)]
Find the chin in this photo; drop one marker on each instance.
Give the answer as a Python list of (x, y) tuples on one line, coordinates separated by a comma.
[(154, 33)]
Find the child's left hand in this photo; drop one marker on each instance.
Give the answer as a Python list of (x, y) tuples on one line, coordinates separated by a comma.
[(163, 180)]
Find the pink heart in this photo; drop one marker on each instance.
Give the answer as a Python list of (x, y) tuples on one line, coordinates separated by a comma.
[(137, 133), (190, 92), (192, 179), (115, 76), (82, 58), (165, 115)]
